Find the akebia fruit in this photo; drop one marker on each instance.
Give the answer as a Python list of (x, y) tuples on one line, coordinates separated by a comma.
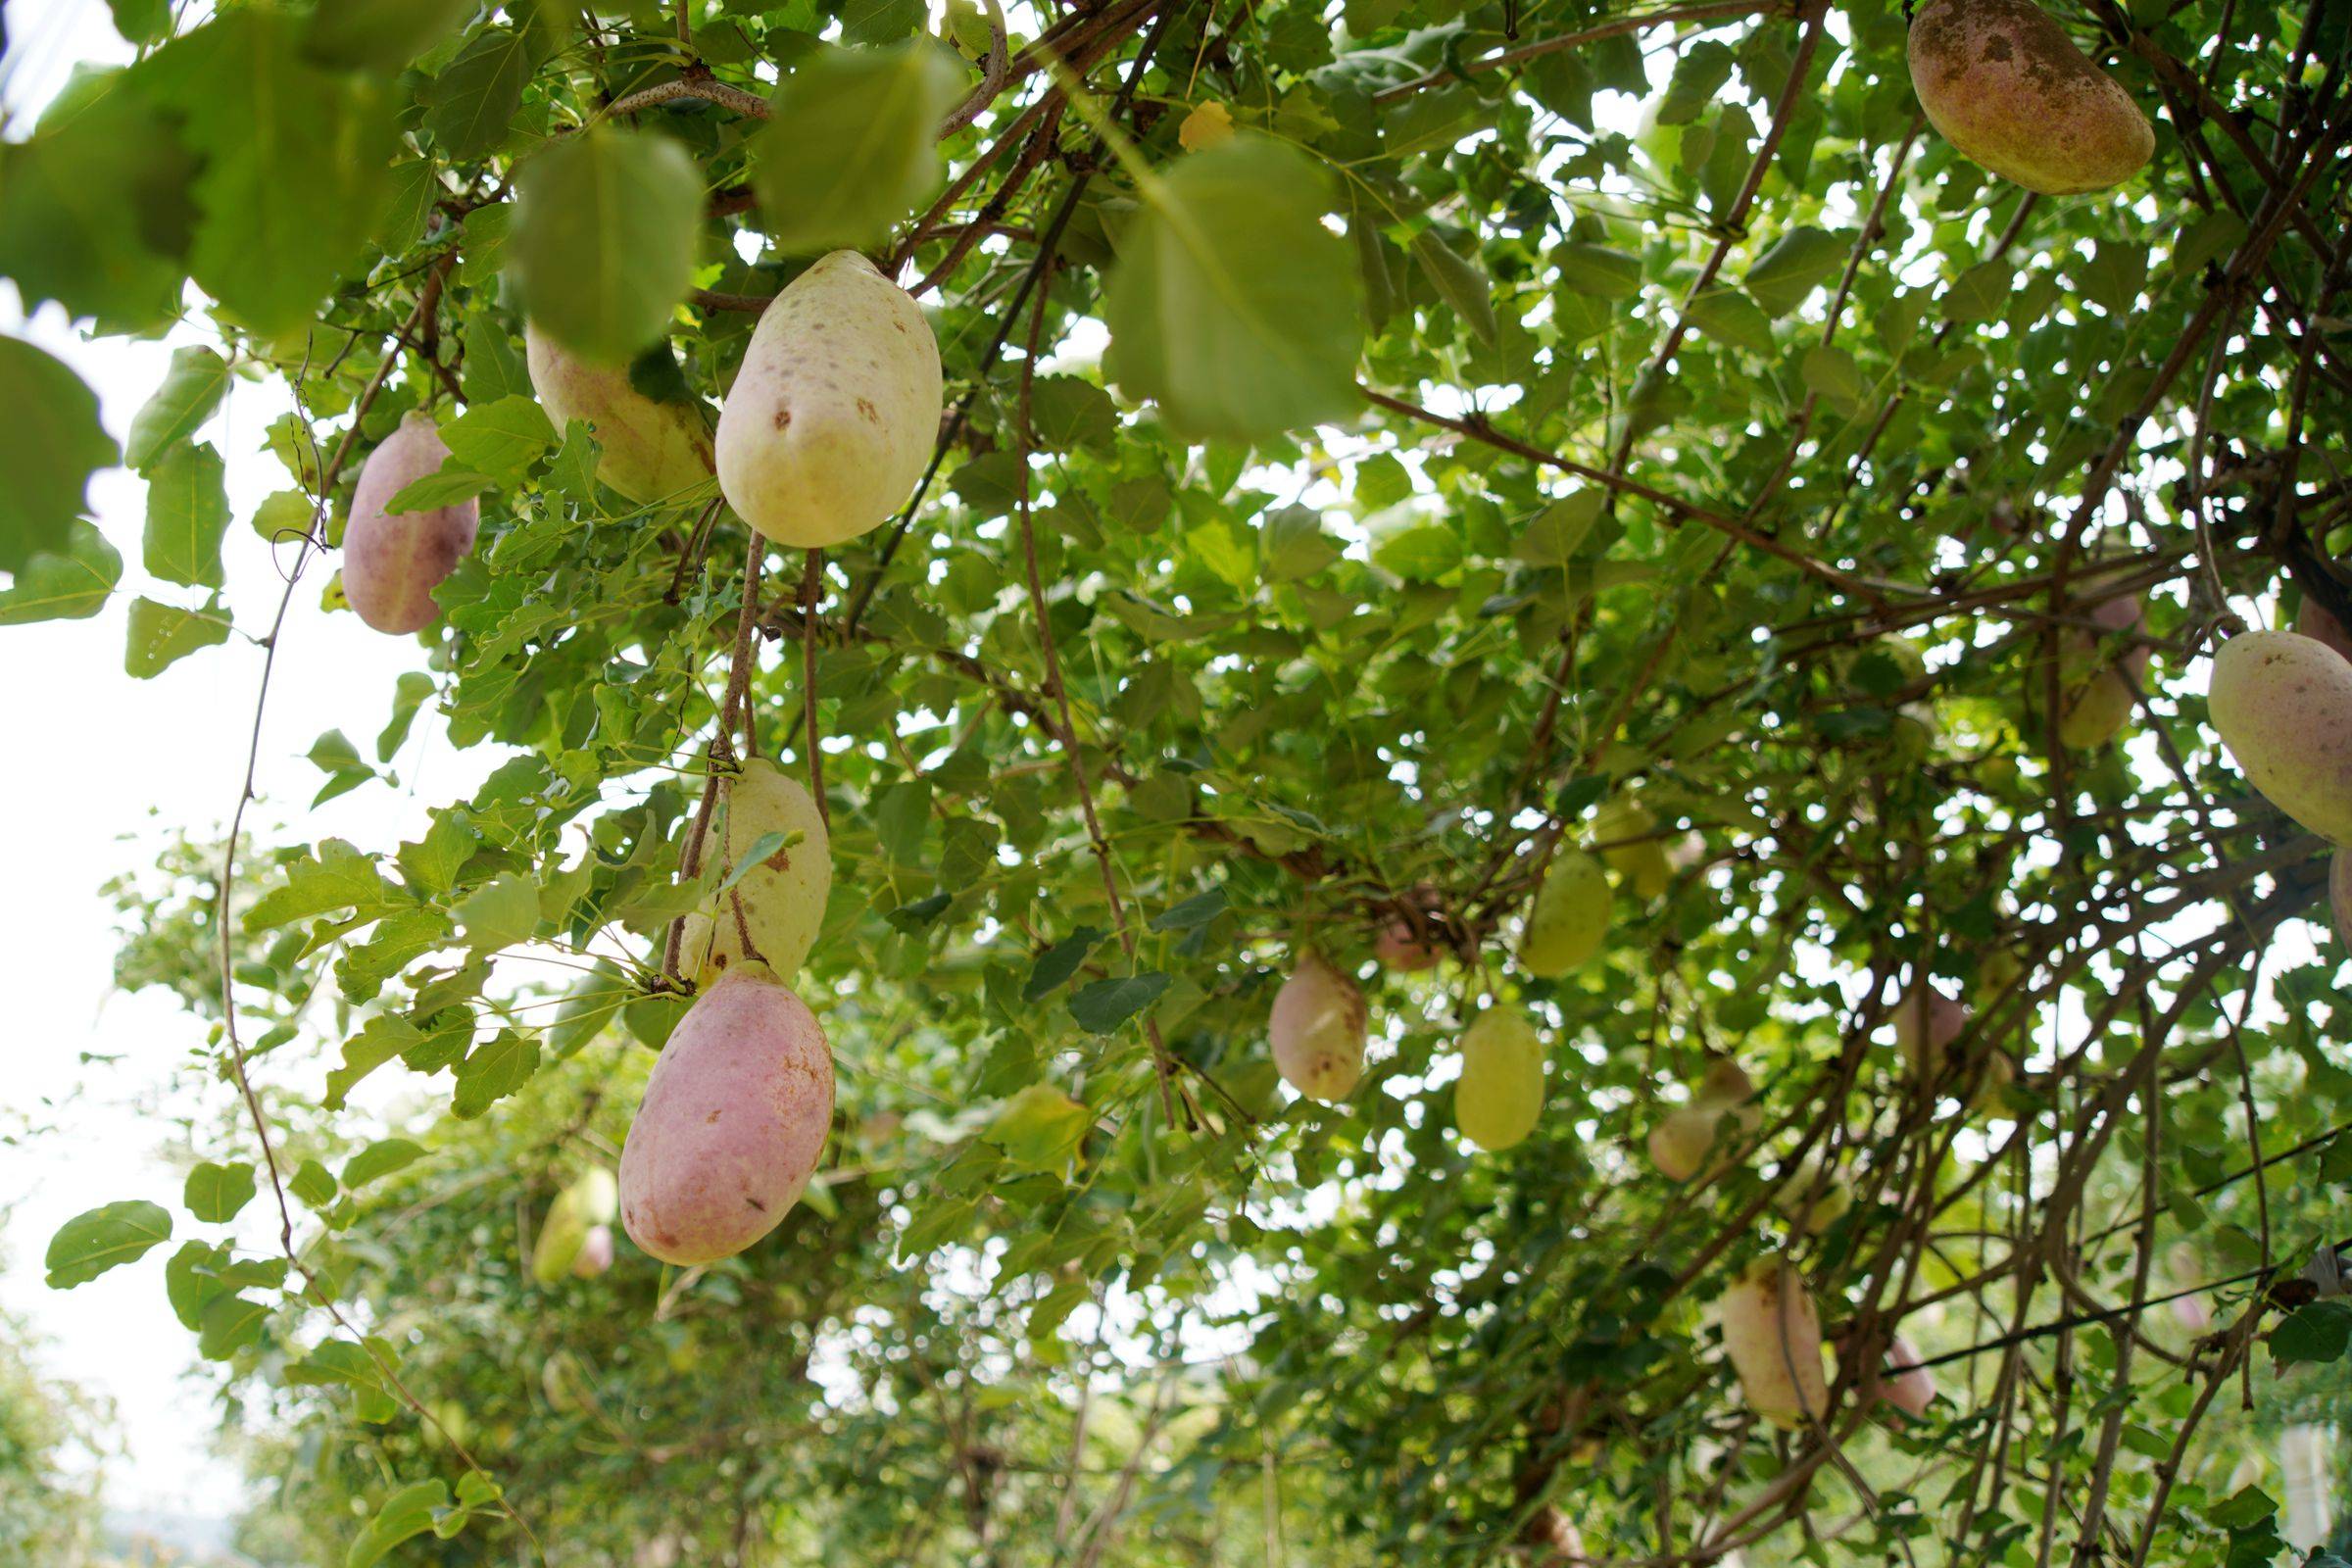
[(1632, 848), (835, 411), (2005, 84), (783, 898), (596, 1252), (647, 451), (1318, 1027), (1893, 1375), (1773, 1336), (2282, 703), (1569, 919), (734, 1117), (572, 1219), (1400, 947), (1925, 1023), (2097, 695), (393, 560), (1499, 1096), (1679, 1142)]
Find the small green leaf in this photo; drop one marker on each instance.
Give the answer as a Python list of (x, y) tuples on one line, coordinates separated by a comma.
[(501, 439), (1101, 1007), (1558, 530), (1598, 271), (1039, 1128), (313, 1183), (228, 1323), (494, 1070), (1292, 544), (379, 35), (1730, 316), (337, 877), (72, 585), (215, 1193), (1419, 554), (1194, 911), (192, 390), (761, 848), (607, 225), (2319, 1331), (501, 912), (470, 105), (188, 517), (1699, 73), (161, 635), (89, 1244), (1832, 372), (1053, 968), (1458, 282), (852, 144), (1799, 262), (407, 1513), (284, 516), (379, 1159)]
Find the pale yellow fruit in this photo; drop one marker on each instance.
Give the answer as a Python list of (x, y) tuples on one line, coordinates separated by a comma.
[(1641, 863), (1318, 1027), (2098, 697), (784, 899), (1680, 1141), (1570, 916), (647, 451), (1499, 1096), (833, 416), (2007, 88), (1773, 1336), (2282, 704)]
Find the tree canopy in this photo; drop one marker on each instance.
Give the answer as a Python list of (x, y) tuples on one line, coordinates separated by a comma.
[(1398, 456)]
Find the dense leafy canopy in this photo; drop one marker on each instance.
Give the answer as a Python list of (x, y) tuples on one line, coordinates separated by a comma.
[(1392, 445)]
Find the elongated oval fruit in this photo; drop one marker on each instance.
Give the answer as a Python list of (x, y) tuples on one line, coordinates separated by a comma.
[(1632, 848), (647, 451), (393, 560), (596, 1252), (1400, 948), (2282, 703), (1773, 1336), (578, 1212), (2314, 621), (834, 414), (1893, 1375), (1499, 1096), (1570, 916), (734, 1117), (1679, 1142), (1925, 1023), (784, 897), (2005, 85), (1724, 1084), (1317, 1028), (2097, 696)]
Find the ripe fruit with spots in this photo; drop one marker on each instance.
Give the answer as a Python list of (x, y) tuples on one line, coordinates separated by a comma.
[(2282, 703), (2005, 85), (647, 451), (833, 416), (1318, 1027), (1570, 916), (783, 898), (393, 560), (1773, 1336), (733, 1120), (1499, 1096)]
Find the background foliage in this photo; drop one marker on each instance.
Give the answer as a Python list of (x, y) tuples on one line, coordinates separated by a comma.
[(1391, 441)]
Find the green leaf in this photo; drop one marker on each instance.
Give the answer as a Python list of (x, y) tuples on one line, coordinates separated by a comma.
[(1458, 282), (1558, 531), (1831, 371), (89, 1244), (1193, 913), (2319, 1331), (94, 210), (313, 1183), (1699, 73), (295, 162), (407, 1513), (1730, 316), (1104, 1004), (1799, 262), (493, 1070), (1052, 969), (379, 35), (336, 877), (1039, 1128), (192, 390), (880, 21), (215, 1192), (493, 369), (588, 1008), (500, 913), (379, 1159), (607, 225), (50, 444), (161, 635), (501, 439), (1420, 553), (1598, 271), (443, 488), (753, 857), (1293, 545), (852, 145), (379, 1040), (187, 518), (141, 21), (1231, 305), (228, 1323), (72, 585), (470, 105)]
